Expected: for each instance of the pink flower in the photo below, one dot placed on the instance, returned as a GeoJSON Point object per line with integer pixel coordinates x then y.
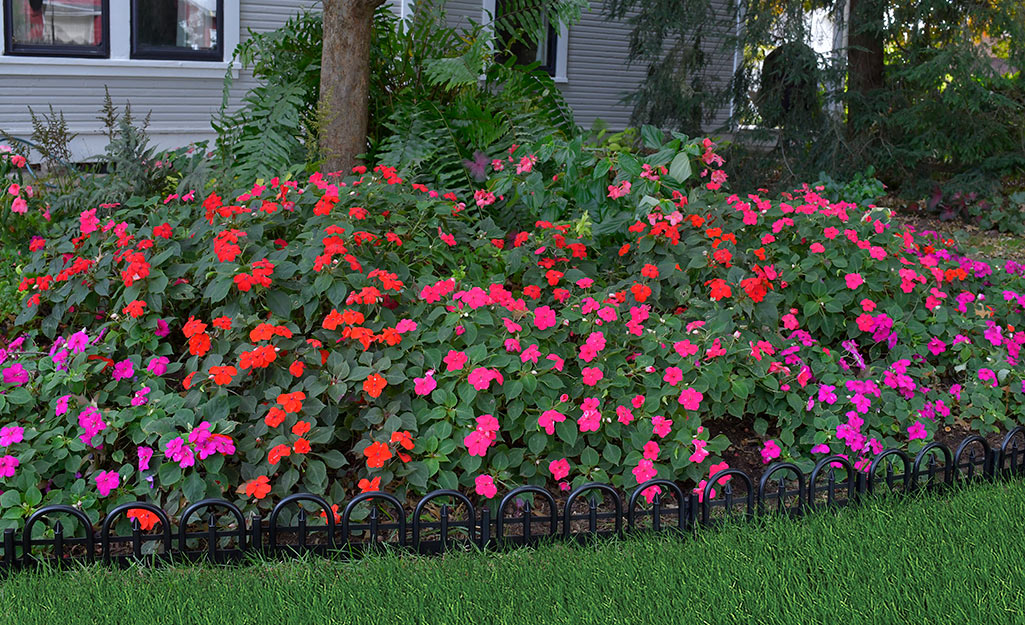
{"type": "Point", "coordinates": [19, 205]}
{"type": "Point", "coordinates": [644, 471]}
{"type": "Point", "coordinates": [62, 405]}
{"type": "Point", "coordinates": [936, 346]}
{"type": "Point", "coordinates": [592, 375]}
{"type": "Point", "coordinates": [158, 365]}
{"type": "Point", "coordinates": [426, 384]}
{"type": "Point", "coordinates": [987, 375]}
{"type": "Point", "coordinates": [7, 466]}
{"type": "Point", "coordinates": [140, 398]}
{"type": "Point", "coordinates": [10, 435]}
{"type": "Point", "coordinates": [145, 454]}
{"type": "Point", "coordinates": [637, 401]}
{"type": "Point", "coordinates": [699, 454]}
{"type": "Point", "coordinates": [699, 490]}
{"type": "Point", "coordinates": [673, 376]}
{"type": "Point", "coordinates": [854, 280]}
{"type": "Point", "coordinates": [660, 426]}
{"type": "Point", "coordinates": [480, 378]}
{"type": "Point", "coordinates": [544, 318]}
{"type": "Point", "coordinates": [559, 362]}
{"type": "Point", "coordinates": [548, 419]}
{"type": "Point", "coordinates": [559, 468]}
{"type": "Point", "coordinates": [651, 450]}
{"type": "Point", "coordinates": [685, 348]}
{"type": "Point", "coordinates": [532, 354]}
{"type": "Point", "coordinates": [917, 431]}
{"type": "Point", "coordinates": [690, 399]}
{"type": "Point", "coordinates": [821, 448]}
{"type": "Point", "coordinates": [107, 481]}
{"type": "Point", "coordinates": [770, 451]}
{"type": "Point", "coordinates": [715, 468]}
{"type": "Point", "coordinates": [15, 374]}
{"type": "Point", "coordinates": [124, 370]}
{"type": "Point", "coordinates": [624, 415]}
{"type": "Point", "coordinates": [485, 486]}
{"type": "Point", "coordinates": [88, 222]}
{"type": "Point", "coordinates": [162, 329]}
{"type": "Point", "coordinates": [405, 325]}
{"type": "Point", "coordinates": [455, 360]}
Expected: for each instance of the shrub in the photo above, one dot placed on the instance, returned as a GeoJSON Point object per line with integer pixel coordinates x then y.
{"type": "Point", "coordinates": [362, 334]}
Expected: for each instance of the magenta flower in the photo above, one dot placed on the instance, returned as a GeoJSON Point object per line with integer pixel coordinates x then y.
{"type": "Point", "coordinates": [426, 384]}
{"type": "Point", "coordinates": [544, 318]}
{"type": "Point", "coordinates": [559, 468]}
{"type": "Point", "coordinates": [405, 325]}
{"type": "Point", "coordinates": [592, 375]}
{"type": "Point", "coordinates": [124, 370]}
{"type": "Point", "coordinates": [644, 471]}
{"type": "Point", "coordinates": [10, 435]}
{"type": "Point", "coordinates": [145, 454]}
{"type": "Point", "coordinates": [660, 426]}
{"type": "Point", "coordinates": [62, 405]}
{"type": "Point", "coordinates": [158, 365]}
{"type": "Point", "coordinates": [454, 360]}
{"type": "Point", "coordinates": [15, 374]}
{"type": "Point", "coordinates": [690, 399]}
{"type": "Point", "coordinates": [7, 466]}
{"type": "Point", "coordinates": [140, 399]}
{"type": "Point", "coordinates": [770, 451]}
{"type": "Point", "coordinates": [821, 448]}
{"type": "Point", "coordinates": [107, 481]}
{"type": "Point", "coordinates": [78, 341]}
{"type": "Point", "coordinates": [917, 431]}
{"type": "Point", "coordinates": [548, 419]}
{"type": "Point", "coordinates": [673, 376]}
{"type": "Point", "coordinates": [699, 454]}
{"type": "Point", "coordinates": [987, 375]}
{"type": "Point", "coordinates": [162, 329]}
{"type": "Point", "coordinates": [485, 486]}
{"type": "Point", "coordinates": [90, 420]}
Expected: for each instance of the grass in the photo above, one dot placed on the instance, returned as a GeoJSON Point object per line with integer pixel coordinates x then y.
{"type": "Point", "coordinates": [955, 557]}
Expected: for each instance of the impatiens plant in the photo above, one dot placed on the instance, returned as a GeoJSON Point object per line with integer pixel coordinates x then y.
{"type": "Point", "coordinates": [344, 335]}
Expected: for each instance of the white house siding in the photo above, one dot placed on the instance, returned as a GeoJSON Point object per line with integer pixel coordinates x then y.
{"type": "Point", "coordinates": [598, 75]}
{"type": "Point", "coordinates": [182, 95]}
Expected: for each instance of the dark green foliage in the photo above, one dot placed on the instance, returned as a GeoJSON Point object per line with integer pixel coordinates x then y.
{"type": "Point", "coordinates": [437, 95]}
{"type": "Point", "coordinates": [950, 104]}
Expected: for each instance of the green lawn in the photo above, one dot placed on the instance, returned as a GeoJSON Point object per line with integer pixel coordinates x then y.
{"type": "Point", "coordinates": [956, 558]}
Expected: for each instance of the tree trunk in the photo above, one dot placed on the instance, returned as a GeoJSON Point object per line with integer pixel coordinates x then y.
{"type": "Point", "coordinates": [345, 80]}
{"type": "Point", "coordinates": [864, 57]}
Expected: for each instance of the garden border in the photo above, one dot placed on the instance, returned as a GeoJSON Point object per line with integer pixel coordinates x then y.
{"type": "Point", "coordinates": [973, 460]}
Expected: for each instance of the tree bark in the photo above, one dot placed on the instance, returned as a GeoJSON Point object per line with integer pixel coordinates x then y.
{"type": "Point", "coordinates": [864, 57]}
{"type": "Point", "coordinates": [345, 80]}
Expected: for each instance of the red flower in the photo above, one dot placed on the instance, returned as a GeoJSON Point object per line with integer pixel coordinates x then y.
{"type": "Point", "coordinates": [374, 384]}
{"type": "Point", "coordinates": [222, 375]}
{"type": "Point", "coordinates": [301, 446]}
{"type": "Point", "coordinates": [274, 417]}
{"type": "Point", "coordinates": [163, 231]}
{"type": "Point", "coordinates": [377, 454]}
{"type": "Point", "coordinates": [292, 402]}
{"type": "Point", "coordinates": [187, 382]}
{"type": "Point", "coordinates": [258, 488]}
{"type": "Point", "coordinates": [649, 271]}
{"type": "Point", "coordinates": [134, 309]}
{"type": "Point", "coordinates": [640, 292]}
{"type": "Point", "coordinates": [199, 344]}
{"type": "Point", "coordinates": [369, 486]}
{"type": "Point", "coordinates": [334, 511]}
{"type": "Point", "coordinates": [193, 327]}
{"type": "Point", "coordinates": [720, 289]}
{"type": "Point", "coordinates": [278, 452]}
{"type": "Point", "coordinates": [224, 323]}
{"type": "Point", "coordinates": [404, 439]}
{"type": "Point", "coordinates": [147, 520]}
{"type": "Point", "coordinates": [301, 428]}
{"type": "Point", "coordinates": [296, 368]}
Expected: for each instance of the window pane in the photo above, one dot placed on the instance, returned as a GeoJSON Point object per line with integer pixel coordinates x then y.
{"type": "Point", "coordinates": [188, 24]}
{"type": "Point", "coordinates": [57, 22]}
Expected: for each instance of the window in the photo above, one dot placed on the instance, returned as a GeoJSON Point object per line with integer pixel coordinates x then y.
{"type": "Point", "coordinates": [550, 51]}
{"type": "Point", "coordinates": [178, 29]}
{"type": "Point", "coordinates": [547, 49]}
{"type": "Point", "coordinates": [57, 27]}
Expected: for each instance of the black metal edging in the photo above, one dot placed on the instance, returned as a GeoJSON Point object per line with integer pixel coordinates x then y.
{"type": "Point", "coordinates": [228, 538]}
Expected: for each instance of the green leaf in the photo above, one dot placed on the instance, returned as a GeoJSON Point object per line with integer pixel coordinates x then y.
{"type": "Point", "coordinates": [680, 168]}
{"type": "Point", "coordinates": [279, 303]}
{"type": "Point", "coordinates": [169, 474]}
{"type": "Point", "coordinates": [194, 487]}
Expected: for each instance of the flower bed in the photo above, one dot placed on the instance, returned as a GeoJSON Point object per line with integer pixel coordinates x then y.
{"type": "Point", "coordinates": [361, 333]}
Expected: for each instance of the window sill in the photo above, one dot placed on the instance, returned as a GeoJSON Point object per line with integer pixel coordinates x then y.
{"type": "Point", "coordinates": [130, 68]}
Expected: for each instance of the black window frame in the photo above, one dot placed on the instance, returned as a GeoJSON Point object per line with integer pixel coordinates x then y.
{"type": "Point", "coordinates": [551, 51]}
{"type": "Point", "coordinates": [176, 53]}
{"type": "Point", "coordinates": [101, 51]}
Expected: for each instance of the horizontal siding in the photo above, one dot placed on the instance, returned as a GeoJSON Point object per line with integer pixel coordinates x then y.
{"type": "Point", "coordinates": [181, 107]}
{"type": "Point", "coordinates": [459, 12]}
{"type": "Point", "coordinates": [599, 75]}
